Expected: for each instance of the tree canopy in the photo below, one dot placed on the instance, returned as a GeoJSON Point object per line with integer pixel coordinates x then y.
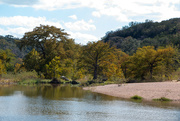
{"type": "Point", "coordinates": [147, 63]}
{"type": "Point", "coordinates": [48, 42]}
{"type": "Point", "coordinates": [148, 33]}
{"type": "Point", "coordinates": [101, 59]}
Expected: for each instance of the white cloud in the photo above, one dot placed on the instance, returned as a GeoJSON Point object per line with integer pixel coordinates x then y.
{"type": "Point", "coordinates": [73, 17]}
{"type": "Point", "coordinates": [80, 25]}
{"type": "Point", "coordinates": [26, 21]}
{"type": "Point", "coordinates": [127, 10]}
{"type": "Point", "coordinates": [18, 25]}
{"type": "Point", "coordinates": [90, 21]}
{"type": "Point", "coordinates": [121, 10]}
{"type": "Point", "coordinates": [82, 38]}
{"type": "Point", "coordinates": [96, 14]}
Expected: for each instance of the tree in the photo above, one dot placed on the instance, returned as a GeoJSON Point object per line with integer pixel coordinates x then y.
{"type": "Point", "coordinates": [147, 62]}
{"type": "Point", "coordinates": [121, 59]}
{"type": "Point", "coordinates": [54, 68]}
{"type": "Point", "coordinates": [7, 58]}
{"type": "Point", "coordinates": [93, 56]}
{"type": "Point", "coordinates": [32, 61]}
{"type": "Point", "coordinates": [111, 66]}
{"type": "Point", "coordinates": [49, 42]}
{"type": "Point", "coordinates": [2, 68]}
{"type": "Point", "coordinates": [170, 60]}
{"type": "Point", "coordinates": [42, 37]}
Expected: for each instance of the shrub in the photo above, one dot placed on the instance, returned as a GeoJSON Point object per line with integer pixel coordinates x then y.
{"type": "Point", "coordinates": [162, 99]}
{"type": "Point", "coordinates": [136, 97]}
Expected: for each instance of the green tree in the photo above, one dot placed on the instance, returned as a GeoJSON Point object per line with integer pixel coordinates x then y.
{"type": "Point", "coordinates": [147, 62]}
{"type": "Point", "coordinates": [170, 60]}
{"type": "Point", "coordinates": [8, 59]}
{"type": "Point", "coordinates": [50, 42]}
{"type": "Point", "coordinates": [32, 61]}
{"type": "Point", "coordinates": [54, 68]}
{"type": "Point", "coordinates": [2, 68]}
{"type": "Point", "coordinates": [111, 66]}
{"type": "Point", "coordinates": [93, 56]}
{"type": "Point", "coordinates": [43, 38]}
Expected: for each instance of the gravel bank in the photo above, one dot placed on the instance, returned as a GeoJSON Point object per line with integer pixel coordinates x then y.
{"type": "Point", "coordinates": [148, 91]}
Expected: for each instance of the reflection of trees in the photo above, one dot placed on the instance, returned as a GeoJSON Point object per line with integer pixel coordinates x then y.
{"type": "Point", "coordinates": [61, 92]}
{"type": "Point", "coordinates": [52, 92]}
{"type": "Point", "coordinates": [6, 90]}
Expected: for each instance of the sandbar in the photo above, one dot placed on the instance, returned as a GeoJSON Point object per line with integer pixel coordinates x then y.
{"type": "Point", "coordinates": [149, 91]}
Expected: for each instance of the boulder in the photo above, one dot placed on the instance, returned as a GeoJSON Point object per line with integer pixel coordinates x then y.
{"type": "Point", "coordinates": [91, 82]}
{"type": "Point", "coordinates": [74, 82]}
{"type": "Point", "coordinates": [55, 81]}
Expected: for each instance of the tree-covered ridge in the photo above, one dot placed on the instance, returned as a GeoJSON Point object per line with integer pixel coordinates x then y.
{"type": "Point", "coordinates": [149, 33]}
{"type": "Point", "coordinates": [10, 42]}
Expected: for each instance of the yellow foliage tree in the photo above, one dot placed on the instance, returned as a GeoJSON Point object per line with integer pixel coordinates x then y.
{"type": "Point", "coordinates": [147, 62]}
{"type": "Point", "coordinates": [17, 67]}
{"type": "Point", "coordinates": [32, 61]}
{"type": "Point", "coordinates": [112, 65]}
{"type": "Point", "coordinates": [94, 54]}
{"type": "Point", "coordinates": [2, 68]}
{"type": "Point", "coordinates": [54, 68]}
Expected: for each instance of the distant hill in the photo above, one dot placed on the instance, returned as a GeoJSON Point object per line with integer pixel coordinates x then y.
{"type": "Point", "coordinates": [10, 42]}
{"type": "Point", "coordinates": [156, 34]}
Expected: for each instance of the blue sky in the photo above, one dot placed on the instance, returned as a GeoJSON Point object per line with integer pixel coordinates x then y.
{"type": "Point", "coordinates": [84, 20]}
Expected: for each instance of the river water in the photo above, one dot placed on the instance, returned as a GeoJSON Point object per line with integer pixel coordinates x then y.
{"type": "Point", "coordinates": [66, 103]}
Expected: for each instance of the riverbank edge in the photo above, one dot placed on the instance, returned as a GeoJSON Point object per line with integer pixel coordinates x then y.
{"type": "Point", "coordinates": [126, 91]}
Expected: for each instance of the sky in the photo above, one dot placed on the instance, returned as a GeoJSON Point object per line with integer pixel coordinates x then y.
{"type": "Point", "coordinates": [83, 20]}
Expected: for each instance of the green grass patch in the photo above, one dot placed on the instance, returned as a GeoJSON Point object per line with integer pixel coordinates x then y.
{"type": "Point", "coordinates": [136, 97]}
{"type": "Point", "coordinates": [162, 99]}
{"type": "Point", "coordinates": [34, 81]}
{"type": "Point", "coordinates": [25, 77]}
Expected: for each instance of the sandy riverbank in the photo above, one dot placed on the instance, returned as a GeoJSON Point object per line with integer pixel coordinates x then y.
{"type": "Point", "coordinates": [148, 91]}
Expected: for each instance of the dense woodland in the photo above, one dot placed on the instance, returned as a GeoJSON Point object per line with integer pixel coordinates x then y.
{"type": "Point", "coordinates": [147, 51]}
{"type": "Point", "coordinates": [149, 33]}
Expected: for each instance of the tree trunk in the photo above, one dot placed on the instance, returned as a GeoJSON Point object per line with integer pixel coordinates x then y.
{"type": "Point", "coordinates": [151, 71]}
{"type": "Point", "coordinates": [95, 72]}
{"type": "Point", "coordinates": [95, 67]}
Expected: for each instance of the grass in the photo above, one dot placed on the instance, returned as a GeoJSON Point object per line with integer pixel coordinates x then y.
{"type": "Point", "coordinates": [34, 81]}
{"type": "Point", "coordinates": [162, 99]}
{"type": "Point", "coordinates": [23, 78]}
{"type": "Point", "coordinates": [136, 97]}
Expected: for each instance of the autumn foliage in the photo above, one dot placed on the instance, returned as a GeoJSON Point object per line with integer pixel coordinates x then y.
{"type": "Point", "coordinates": [53, 54]}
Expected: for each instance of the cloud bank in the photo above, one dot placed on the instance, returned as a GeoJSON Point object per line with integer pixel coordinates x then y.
{"type": "Point", "coordinates": [123, 11]}
{"type": "Point", "coordinates": [18, 25]}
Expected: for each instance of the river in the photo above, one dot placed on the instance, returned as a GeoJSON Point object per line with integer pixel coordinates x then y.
{"type": "Point", "coordinates": [66, 103]}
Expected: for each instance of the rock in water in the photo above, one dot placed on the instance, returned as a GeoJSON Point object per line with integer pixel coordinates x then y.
{"type": "Point", "coordinates": [55, 81]}
{"type": "Point", "coordinates": [74, 82]}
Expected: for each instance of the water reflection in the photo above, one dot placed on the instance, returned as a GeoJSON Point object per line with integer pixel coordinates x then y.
{"type": "Point", "coordinates": [49, 102]}
{"type": "Point", "coordinates": [52, 92]}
